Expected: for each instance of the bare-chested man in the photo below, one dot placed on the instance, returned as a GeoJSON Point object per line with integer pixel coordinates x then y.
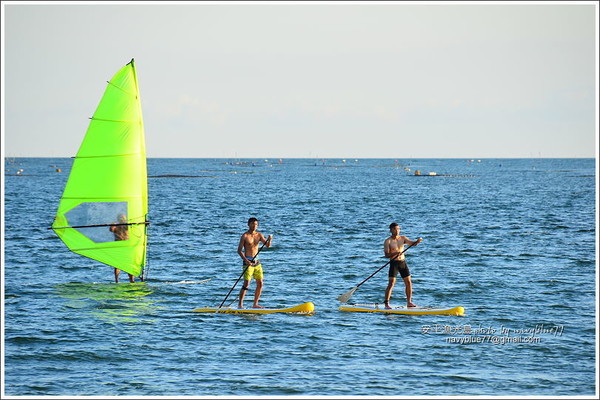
{"type": "Point", "coordinates": [393, 247]}
{"type": "Point", "coordinates": [121, 232]}
{"type": "Point", "coordinates": [247, 249]}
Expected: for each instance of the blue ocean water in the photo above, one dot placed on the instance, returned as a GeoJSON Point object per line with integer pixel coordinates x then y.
{"type": "Point", "coordinates": [511, 240]}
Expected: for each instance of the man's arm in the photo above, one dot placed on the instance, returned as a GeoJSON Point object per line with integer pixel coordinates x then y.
{"type": "Point", "coordinates": [266, 241]}
{"type": "Point", "coordinates": [387, 250]}
{"type": "Point", "coordinates": [412, 242]}
{"type": "Point", "coordinates": [240, 247]}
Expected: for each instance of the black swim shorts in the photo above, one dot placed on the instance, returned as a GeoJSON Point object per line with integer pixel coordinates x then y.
{"type": "Point", "coordinates": [398, 266]}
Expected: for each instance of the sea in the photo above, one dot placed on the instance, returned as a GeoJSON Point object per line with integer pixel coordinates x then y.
{"type": "Point", "coordinates": [513, 241]}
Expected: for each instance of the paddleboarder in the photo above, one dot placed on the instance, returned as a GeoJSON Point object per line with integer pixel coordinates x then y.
{"type": "Point", "coordinates": [247, 249]}
{"type": "Point", "coordinates": [392, 248]}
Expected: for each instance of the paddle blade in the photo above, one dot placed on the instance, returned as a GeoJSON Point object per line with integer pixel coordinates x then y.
{"type": "Point", "coordinates": [346, 296]}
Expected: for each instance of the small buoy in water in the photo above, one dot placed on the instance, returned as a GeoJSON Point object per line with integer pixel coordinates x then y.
{"type": "Point", "coordinates": [417, 172]}
{"type": "Point", "coordinates": [58, 170]}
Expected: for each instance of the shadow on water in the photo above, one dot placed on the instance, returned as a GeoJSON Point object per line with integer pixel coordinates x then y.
{"type": "Point", "coordinates": [114, 302]}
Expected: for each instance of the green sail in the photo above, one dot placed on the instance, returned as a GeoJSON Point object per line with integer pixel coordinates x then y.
{"type": "Point", "coordinates": [108, 183]}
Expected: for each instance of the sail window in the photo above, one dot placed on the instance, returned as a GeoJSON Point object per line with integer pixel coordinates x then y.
{"type": "Point", "coordinates": [97, 221]}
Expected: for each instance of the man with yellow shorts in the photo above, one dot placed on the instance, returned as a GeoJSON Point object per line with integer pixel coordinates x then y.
{"type": "Point", "coordinates": [248, 250]}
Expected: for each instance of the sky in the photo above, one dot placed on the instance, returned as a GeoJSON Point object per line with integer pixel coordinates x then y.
{"type": "Point", "coordinates": [309, 79]}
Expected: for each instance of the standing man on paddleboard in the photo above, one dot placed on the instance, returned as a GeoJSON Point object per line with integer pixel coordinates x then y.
{"type": "Point", "coordinates": [393, 248]}
{"type": "Point", "coordinates": [248, 250]}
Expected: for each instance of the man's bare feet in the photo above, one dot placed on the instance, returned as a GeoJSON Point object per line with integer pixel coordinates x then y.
{"type": "Point", "coordinates": [411, 305]}
{"type": "Point", "coordinates": [257, 306]}
{"type": "Point", "coordinates": [387, 305]}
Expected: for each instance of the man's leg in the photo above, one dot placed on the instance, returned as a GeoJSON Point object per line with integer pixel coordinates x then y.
{"type": "Point", "coordinates": [257, 293]}
{"type": "Point", "coordinates": [388, 292]}
{"type": "Point", "coordinates": [245, 286]}
{"type": "Point", "coordinates": [408, 284]}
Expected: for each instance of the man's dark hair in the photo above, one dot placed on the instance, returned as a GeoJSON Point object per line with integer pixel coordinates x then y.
{"type": "Point", "coordinates": [252, 219]}
{"type": "Point", "coordinates": [393, 224]}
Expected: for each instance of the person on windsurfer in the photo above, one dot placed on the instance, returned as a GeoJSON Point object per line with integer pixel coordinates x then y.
{"type": "Point", "coordinates": [121, 232]}
{"type": "Point", "coordinates": [248, 249]}
{"type": "Point", "coordinates": [393, 248]}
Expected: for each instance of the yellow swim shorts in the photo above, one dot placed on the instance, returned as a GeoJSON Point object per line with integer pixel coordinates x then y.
{"type": "Point", "coordinates": [255, 272]}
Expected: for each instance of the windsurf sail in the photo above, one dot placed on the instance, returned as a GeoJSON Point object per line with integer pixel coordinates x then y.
{"type": "Point", "coordinates": [103, 212]}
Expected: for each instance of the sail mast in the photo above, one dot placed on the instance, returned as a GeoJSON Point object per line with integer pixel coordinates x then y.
{"type": "Point", "coordinates": [144, 177]}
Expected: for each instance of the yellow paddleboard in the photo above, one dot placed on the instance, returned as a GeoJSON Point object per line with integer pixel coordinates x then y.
{"type": "Point", "coordinates": [376, 308]}
{"type": "Point", "coordinates": [305, 308]}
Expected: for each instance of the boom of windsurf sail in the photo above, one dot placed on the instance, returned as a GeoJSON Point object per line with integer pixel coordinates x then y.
{"type": "Point", "coordinates": [103, 212]}
{"type": "Point", "coordinates": [98, 225]}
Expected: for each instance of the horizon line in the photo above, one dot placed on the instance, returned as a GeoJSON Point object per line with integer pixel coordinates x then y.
{"type": "Point", "coordinates": [339, 158]}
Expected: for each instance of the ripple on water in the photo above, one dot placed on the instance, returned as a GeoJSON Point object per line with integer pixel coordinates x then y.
{"type": "Point", "coordinates": [490, 246]}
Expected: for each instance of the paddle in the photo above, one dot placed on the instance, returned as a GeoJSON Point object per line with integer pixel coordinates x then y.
{"type": "Point", "coordinates": [346, 296]}
{"type": "Point", "coordinates": [243, 272]}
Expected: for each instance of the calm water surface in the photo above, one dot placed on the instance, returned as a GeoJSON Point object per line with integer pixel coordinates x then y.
{"type": "Point", "coordinates": [512, 241]}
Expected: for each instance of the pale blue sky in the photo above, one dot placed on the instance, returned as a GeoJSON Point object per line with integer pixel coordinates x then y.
{"type": "Point", "coordinates": [320, 80]}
